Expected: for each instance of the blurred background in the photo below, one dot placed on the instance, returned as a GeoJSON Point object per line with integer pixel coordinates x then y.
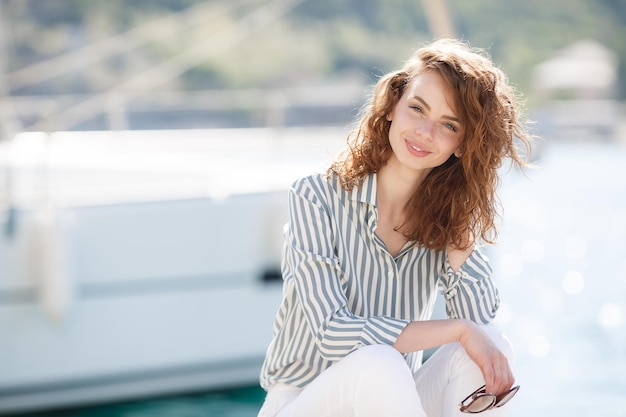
{"type": "Point", "coordinates": [145, 152]}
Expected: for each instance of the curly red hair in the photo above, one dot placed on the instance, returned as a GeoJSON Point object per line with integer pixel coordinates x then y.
{"type": "Point", "coordinates": [456, 203]}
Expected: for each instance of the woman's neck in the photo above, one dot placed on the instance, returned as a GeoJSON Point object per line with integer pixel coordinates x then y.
{"type": "Point", "coordinates": [396, 185]}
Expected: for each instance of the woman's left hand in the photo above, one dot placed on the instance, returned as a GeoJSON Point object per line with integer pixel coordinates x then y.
{"type": "Point", "coordinates": [492, 362]}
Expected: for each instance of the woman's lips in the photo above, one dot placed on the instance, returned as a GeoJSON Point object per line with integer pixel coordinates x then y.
{"type": "Point", "coordinates": [417, 149]}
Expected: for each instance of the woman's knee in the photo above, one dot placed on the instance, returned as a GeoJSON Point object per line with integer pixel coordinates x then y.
{"type": "Point", "coordinates": [380, 357]}
{"type": "Point", "coordinates": [380, 360]}
{"type": "Point", "coordinates": [383, 383]}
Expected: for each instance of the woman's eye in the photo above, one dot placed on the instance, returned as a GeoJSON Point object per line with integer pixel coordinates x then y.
{"type": "Point", "coordinates": [417, 109]}
{"type": "Point", "coordinates": [451, 127]}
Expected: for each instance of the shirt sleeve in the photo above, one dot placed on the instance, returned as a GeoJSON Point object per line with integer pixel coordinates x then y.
{"type": "Point", "coordinates": [310, 260]}
{"type": "Point", "coordinates": [470, 293]}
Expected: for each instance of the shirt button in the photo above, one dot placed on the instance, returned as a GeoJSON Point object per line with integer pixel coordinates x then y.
{"type": "Point", "coordinates": [390, 274]}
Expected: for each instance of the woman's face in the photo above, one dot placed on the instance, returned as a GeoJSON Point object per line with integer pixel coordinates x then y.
{"type": "Point", "coordinates": [425, 129]}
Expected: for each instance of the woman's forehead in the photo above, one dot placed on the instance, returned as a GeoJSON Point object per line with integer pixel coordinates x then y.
{"type": "Point", "coordinates": [432, 87]}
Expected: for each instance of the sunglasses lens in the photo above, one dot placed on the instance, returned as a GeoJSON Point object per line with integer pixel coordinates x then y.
{"type": "Point", "coordinates": [504, 398]}
{"type": "Point", "coordinates": [481, 403]}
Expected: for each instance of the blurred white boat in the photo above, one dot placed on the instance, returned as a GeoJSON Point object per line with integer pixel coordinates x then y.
{"type": "Point", "coordinates": [143, 263]}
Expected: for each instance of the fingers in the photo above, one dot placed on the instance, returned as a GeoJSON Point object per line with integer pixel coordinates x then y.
{"type": "Point", "coordinates": [498, 375]}
{"type": "Point", "coordinates": [493, 364]}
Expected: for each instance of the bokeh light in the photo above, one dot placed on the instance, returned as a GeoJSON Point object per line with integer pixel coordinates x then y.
{"type": "Point", "coordinates": [573, 282]}
{"type": "Point", "coordinates": [610, 315]}
{"type": "Point", "coordinates": [532, 251]}
{"type": "Point", "coordinates": [512, 264]}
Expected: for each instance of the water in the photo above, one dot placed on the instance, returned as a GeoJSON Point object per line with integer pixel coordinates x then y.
{"type": "Point", "coordinates": [561, 268]}
{"type": "Point", "coordinates": [240, 402]}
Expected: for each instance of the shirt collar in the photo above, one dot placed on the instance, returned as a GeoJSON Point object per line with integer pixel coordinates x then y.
{"type": "Point", "coordinates": [366, 192]}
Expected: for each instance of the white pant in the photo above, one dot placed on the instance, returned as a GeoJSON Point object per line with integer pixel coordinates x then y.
{"type": "Point", "coordinates": [376, 381]}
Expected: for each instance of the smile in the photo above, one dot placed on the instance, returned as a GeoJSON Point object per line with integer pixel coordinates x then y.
{"type": "Point", "coordinates": [416, 149]}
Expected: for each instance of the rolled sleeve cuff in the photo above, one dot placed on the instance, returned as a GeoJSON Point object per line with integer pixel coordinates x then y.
{"type": "Point", "coordinates": [382, 330]}
{"type": "Point", "coordinates": [469, 292]}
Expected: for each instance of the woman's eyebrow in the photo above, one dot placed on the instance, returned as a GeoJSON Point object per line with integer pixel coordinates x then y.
{"type": "Point", "coordinates": [421, 100]}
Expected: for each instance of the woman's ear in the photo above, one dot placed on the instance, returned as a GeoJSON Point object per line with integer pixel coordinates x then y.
{"type": "Point", "coordinates": [389, 115]}
{"type": "Point", "coordinates": [458, 153]}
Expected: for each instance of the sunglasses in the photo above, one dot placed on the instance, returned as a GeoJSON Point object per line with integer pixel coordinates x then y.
{"type": "Point", "coordinates": [480, 400]}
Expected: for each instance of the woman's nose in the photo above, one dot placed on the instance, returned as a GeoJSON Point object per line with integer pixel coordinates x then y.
{"type": "Point", "coordinates": [426, 129]}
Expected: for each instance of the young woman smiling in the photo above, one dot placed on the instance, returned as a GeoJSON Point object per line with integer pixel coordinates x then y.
{"type": "Point", "coordinates": [399, 216]}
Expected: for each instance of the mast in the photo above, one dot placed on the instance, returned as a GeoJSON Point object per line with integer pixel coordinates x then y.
{"type": "Point", "coordinates": [438, 16]}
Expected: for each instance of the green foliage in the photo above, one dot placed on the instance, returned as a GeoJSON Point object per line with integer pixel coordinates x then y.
{"type": "Point", "coordinates": [319, 39]}
{"type": "Point", "coordinates": [520, 34]}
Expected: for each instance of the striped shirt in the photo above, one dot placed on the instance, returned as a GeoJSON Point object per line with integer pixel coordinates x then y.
{"type": "Point", "coordinates": [343, 290]}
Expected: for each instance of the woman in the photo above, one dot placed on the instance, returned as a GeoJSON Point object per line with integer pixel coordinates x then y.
{"type": "Point", "coordinates": [368, 244]}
